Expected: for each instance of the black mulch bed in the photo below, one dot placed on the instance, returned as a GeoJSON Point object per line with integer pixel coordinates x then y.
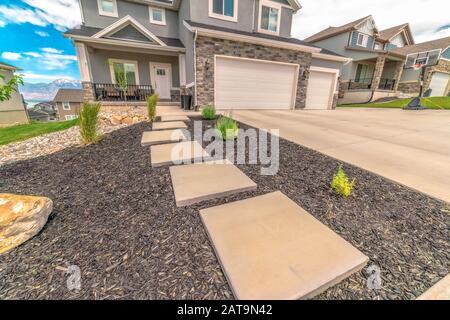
{"type": "Point", "coordinates": [115, 218]}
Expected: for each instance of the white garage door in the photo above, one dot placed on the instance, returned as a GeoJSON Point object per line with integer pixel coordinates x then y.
{"type": "Point", "coordinates": [439, 83]}
{"type": "Point", "coordinates": [320, 89]}
{"type": "Point", "coordinates": [254, 84]}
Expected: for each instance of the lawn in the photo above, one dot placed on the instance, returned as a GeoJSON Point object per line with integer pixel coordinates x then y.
{"type": "Point", "coordinates": [436, 103]}
{"type": "Point", "coordinates": [27, 131]}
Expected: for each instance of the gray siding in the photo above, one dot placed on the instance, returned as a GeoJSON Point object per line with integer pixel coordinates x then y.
{"type": "Point", "coordinates": [140, 12]}
{"type": "Point", "coordinates": [101, 72]}
{"type": "Point", "coordinates": [187, 38]}
{"type": "Point", "coordinates": [326, 64]}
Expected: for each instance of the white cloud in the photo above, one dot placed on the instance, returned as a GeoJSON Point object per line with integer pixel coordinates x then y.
{"type": "Point", "coordinates": [2, 23]}
{"type": "Point", "coordinates": [11, 56]}
{"type": "Point", "coordinates": [35, 77]}
{"type": "Point", "coordinates": [62, 14]}
{"type": "Point", "coordinates": [42, 34]}
{"type": "Point", "coordinates": [424, 16]}
{"type": "Point", "coordinates": [33, 54]}
{"type": "Point", "coordinates": [51, 50]}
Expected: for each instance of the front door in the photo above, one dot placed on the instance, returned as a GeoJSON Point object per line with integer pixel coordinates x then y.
{"type": "Point", "coordinates": [161, 74]}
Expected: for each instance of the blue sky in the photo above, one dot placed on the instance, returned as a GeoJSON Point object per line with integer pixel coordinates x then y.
{"type": "Point", "coordinates": [31, 30]}
{"type": "Point", "coordinates": [31, 38]}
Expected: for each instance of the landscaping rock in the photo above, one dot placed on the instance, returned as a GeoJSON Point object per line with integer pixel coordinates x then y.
{"type": "Point", "coordinates": [116, 120]}
{"type": "Point", "coordinates": [21, 218]}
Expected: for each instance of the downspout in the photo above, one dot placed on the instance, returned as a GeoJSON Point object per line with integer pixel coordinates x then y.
{"type": "Point", "coordinates": [253, 17]}
{"type": "Point", "coordinates": [195, 67]}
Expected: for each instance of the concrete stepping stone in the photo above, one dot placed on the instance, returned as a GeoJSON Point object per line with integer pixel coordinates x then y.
{"type": "Point", "coordinates": [169, 125]}
{"type": "Point", "coordinates": [440, 291]}
{"type": "Point", "coordinates": [270, 249]}
{"type": "Point", "coordinates": [199, 182]}
{"type": "Point", "coordinates": [177, 153]}
{"type": "Point", "coordinates": [150, 138]}
{"type": "Point", "coordinates": [174, 118]}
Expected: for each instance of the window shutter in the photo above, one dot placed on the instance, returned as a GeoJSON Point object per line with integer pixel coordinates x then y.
{"type": "Point", "coordinates": [370, 42]}
{"type": "Point", "coordinates": [354, 40]}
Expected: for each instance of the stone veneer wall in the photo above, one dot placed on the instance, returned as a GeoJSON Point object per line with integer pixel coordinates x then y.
{"type": "Point", "coordinates": [409, 87]}
{"type": "Point", "coordinates": [88, 91]}
{"type": "Point", "coordinates": [208, 47]}
{"type": "Point", "coordinates": [175, 95]}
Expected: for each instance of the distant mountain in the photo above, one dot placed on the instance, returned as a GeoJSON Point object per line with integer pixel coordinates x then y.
{"type": "Point", "coordinates": [46, 91]}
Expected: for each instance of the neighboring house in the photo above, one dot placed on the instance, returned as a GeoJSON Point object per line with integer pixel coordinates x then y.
{"type": "Point", "coordinates": [378, 58]}
{"type": "Point", "coordinates": [48, 108]}
{"type": "Point", "coordinates": [235, 54]}
{"type": "Point", "coordinates": [13, 110]}
{"type": "Point", "coordinates": [68, 102]}
{"type": "Point", "coordinates": [38, 115]}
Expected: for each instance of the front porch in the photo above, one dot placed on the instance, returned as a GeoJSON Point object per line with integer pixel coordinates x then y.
{"type": "Point", "coordinates": [372, 77]}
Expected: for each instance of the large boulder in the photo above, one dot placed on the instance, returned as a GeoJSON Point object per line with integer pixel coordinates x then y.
{"type": "Point", "coordinates": [21, 218]}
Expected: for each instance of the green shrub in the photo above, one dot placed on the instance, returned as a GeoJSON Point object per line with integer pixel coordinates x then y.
{"type": "Point", "coordinates": [152, 102]}
{"type": "Point", "coordinates": [227, 128]}
{"type": "Point", "coordinates": [88, 120]}
{"type": "Point", "coordinates": [209, 113]}
{"type": "Point", "coordinates": [341, 183]}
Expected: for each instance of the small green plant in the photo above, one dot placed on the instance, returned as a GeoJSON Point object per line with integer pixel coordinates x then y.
{"type": "Point", "coordinates": [88, 121]}
{"type": "Point", "coordinates": [341, 183]}
{"type": "Point", "coordinates": [227, 128]}
{"type": "Point", "coordinates": [152, 102]}
{"type": "Point", "coordinates": [209, 113]}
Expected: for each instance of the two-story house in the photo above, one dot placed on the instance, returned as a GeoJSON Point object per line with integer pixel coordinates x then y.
{"type": "Point", "coordinates": [378, 59]}
{"type": "Point", "coordinates": [235, 54]}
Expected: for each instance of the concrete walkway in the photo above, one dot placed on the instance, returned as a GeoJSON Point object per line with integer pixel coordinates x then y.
{"type": "Point", "coordinates": [410, 147]}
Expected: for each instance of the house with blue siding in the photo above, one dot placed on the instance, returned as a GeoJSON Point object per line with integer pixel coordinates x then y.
{"type": "Point", "coordinates": [378, 60]}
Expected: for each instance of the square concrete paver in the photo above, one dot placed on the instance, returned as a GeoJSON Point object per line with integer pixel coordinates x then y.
{"type": "Point", "coordinates": [177, 153]}
{"type": "Point", "coordinates": [158, 137]}
{"type": "Point", "coordinates": [270, 248]}
{"type": "Point", "coordinates": [169, 125]}
{"type": "Point", "coordinates": [174, 118]}
{"type": "Point", "coordinates": [199, 182]}
{"type": "Point", "coordinates": [440, 291]}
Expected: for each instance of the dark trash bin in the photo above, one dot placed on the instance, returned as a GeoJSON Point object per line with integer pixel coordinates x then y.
{"type": "Point", "coordinates": [186, 102]}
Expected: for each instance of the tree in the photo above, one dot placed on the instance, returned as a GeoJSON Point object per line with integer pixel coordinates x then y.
{"type": "Point", "coordinates": [122, 83]}
{"type": "Point", "coordinates": [8, 88]}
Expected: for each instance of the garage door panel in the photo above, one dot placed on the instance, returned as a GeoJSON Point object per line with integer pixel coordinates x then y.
{"type": "Point", "coordinates": [439, 83]}
{"type": "Point", "coordinates": [252, 84]}
{"type": "Point", "coordinates": [320, 87]}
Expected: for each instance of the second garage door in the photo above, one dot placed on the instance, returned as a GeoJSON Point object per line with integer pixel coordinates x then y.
{"type": "Point", "coordinates": [439, 84]}
{"type": "Point", "coordinates": [321, 86]}
{"type": "Point", "coordinates": [254, 84]}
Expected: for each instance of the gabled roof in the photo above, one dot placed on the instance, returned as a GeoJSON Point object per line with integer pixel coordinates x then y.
{"type": "Point", "coordinates": [90, 31]}
{"type": "Point", "coordinates": [69, 95]}
{"type": "Point", "coordinates": [388, 34]}
{"type": "Point", "coordinates": [441, 44]}
{"type": "Point", "coordinates": [7, 66]}
{"type": "Point", "coordinates": [333, 31]}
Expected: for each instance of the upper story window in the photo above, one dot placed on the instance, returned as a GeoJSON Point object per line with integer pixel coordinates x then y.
{"type": "Point", "coordinates": [363, 40]}
{"type": "Point", "coordinates": [378, 46]}
{"type": "Point", "coordinates": [107, 8]}
{"type": "Point", "coordinates": [66, 105]}
{"type": "Point", "coordinates": [269, 17]}
{"type": "Point", "coordinates": [223, 9]}
{"type": "Point", "coordinates": [157, 15]}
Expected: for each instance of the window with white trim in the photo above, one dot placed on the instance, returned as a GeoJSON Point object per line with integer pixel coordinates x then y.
{"type": "Point", "coordinates": [121, 69]}
{"type": "Point", "coordinates": [107, 8]}
{"type": "Point", "coordinates": [157, 15]}
{"type": "Point", "coordinates": [363, 40]}
{"type": "Point", "coordinates": [269, 17]}
{"type": "Point", "coordinates": [223, 9]}
{"type": "Point", "coordinates": [71, 117]}
{"type": "Point", "coordinates": [66, 105]}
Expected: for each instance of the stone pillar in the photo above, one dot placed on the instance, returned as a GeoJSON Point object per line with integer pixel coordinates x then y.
{"type": "Point", "coordinates": [428, 75]}
{"type": "Point", "coordinates": [88, 91]}
{"type": "Point", "coordinates": [398, 74]}
{"type": "Point", "coordinates": [379, 66]}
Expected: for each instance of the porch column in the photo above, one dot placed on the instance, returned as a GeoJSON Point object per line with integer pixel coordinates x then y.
{"type": "Point", "coordinates": [398, 73]}
{"type": "Point", "coordinates": [85, 71]}
{"type": "Point", "coordinates": [378, 72]}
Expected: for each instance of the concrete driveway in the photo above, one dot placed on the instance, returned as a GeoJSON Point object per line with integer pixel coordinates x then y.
{"type": "Point", "coordinates": [410, 147]}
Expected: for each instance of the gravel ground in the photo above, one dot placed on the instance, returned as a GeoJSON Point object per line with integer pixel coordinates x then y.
{"type": "Point", "coordinates": [115, 218]}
